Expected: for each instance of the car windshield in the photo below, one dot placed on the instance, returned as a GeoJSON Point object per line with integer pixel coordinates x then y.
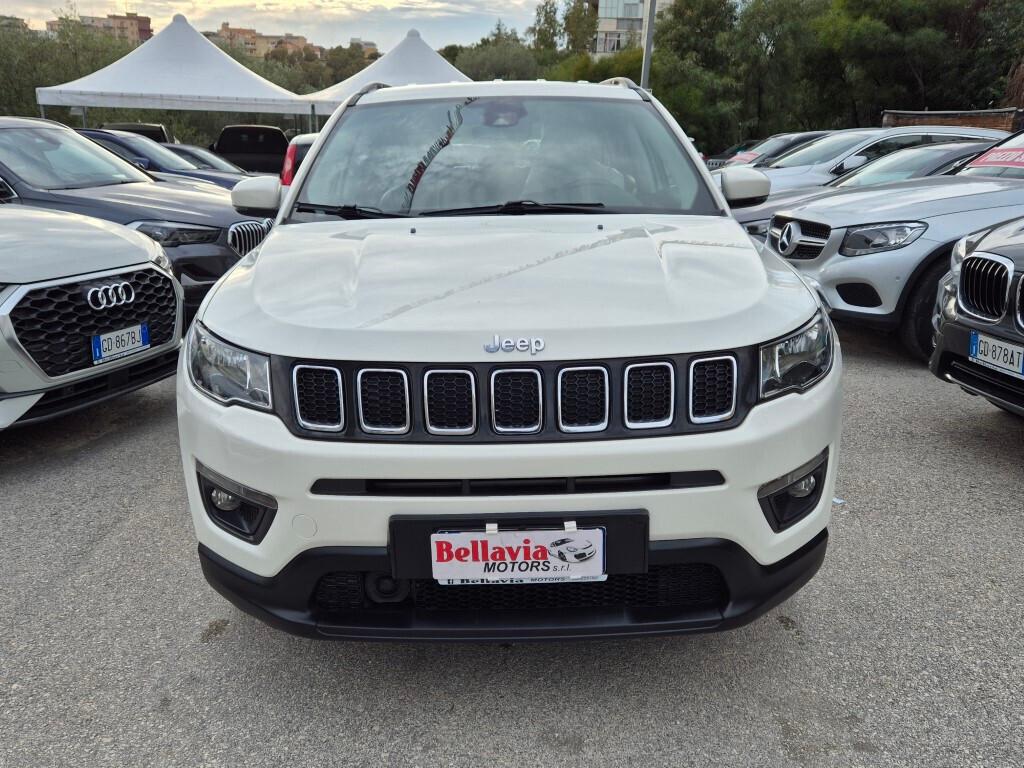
{"type": "Point", "coordinates": [204, 158]}
{"type": "Point", "coordinates": [897, 166]}
{"type": "Point", "coordinates": [821, 151]}
{"type": "Point", "coordinates": [410, 157]}
{"type": "Point", "coordinates": [161, 155]}
{"type": "Point", "coordinates": [772, 145]}
{"type": "Point", "coordinates": [1006, 160]}
{"type": "Point", "coordinates": [56, 158]}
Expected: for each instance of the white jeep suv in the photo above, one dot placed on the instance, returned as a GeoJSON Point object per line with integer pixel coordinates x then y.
{"type": "Point", "coordinates": [493, 319]}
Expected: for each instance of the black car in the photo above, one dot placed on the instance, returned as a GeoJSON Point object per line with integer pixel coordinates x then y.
{"type": "Point", "coordinates": [204, 158]}
{"type": "Point", "coordinates": [47, 165]}
{"type": "Point", "coordinates": [149, 155]}
{"type": "Point", "coordinates": [979, 340]}
{"type": "Point", "coordinates": [257, 148]}
{"type": "Point", "coordinates": [155, 131]}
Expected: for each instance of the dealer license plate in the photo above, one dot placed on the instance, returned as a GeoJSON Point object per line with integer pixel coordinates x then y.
{"type": "Point", "coordinates": [127, 341]}
{"type": "Point", "coordinates": [997, 354]}
{"type": "Point", "coordinates": [518, 557]}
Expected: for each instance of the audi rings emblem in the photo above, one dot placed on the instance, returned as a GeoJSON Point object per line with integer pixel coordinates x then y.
{"type": "Point", "coordinates": [113, 295]}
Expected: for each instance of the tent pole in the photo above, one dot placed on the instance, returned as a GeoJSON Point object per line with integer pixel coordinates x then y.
{"type": "Point", "coordinates": [42, 111]}
{"type": "Point", "coordinates": [312, 118]}
{"type": "Point", "coordinates": [85, 112]}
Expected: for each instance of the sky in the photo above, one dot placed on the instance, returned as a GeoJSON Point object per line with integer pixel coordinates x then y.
{"type": "Point", "coordinates": [323, 22]}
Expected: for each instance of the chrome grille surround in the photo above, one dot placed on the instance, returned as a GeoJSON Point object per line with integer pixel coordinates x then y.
{"type": "Point", "coordinates": [426, 402]}
{"type": "Point", "coordinates": [382, 430]}
{"type": "Point", "coordinates": [540, 402]}
{"type": "Point", "coordinates": [243, 236]}
{"type": "Point", "coordinates": [807, 244]}
{"type": "Point", "coordinates": [672, 396]}
{"type": "Point", "coordinates": [983, 290]}
{"type": "Point", "coordinates": [597, 427]}
{"type": "Point", "coordinates": [724, 416]}
{"type": "Point", "coordinates": [313, 425]}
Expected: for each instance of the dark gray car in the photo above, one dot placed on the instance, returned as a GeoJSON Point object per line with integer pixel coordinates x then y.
{"type": "Point", "coordinates": [47, 165]}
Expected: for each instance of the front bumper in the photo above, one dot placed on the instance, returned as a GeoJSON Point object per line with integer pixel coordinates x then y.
{"type": "Point", "coordinates": [291, 600]}
{"type": "Point", "coordinates": [198, 268]}
{"type": "Point", "coordinates": [951, 363]}
{"type": "Point", "coordinates": [316, 531]}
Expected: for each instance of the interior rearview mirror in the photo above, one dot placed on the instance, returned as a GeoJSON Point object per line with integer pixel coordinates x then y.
{"type": "Point", "coordinates": [257, 196]}
{"type": "Point", "coordinates": [743, 186]}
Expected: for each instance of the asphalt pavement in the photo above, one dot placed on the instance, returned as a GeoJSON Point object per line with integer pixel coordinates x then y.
{"type": "Point", "coordinates": [905, 650]}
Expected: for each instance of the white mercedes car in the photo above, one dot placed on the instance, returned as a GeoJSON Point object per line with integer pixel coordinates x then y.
{"type": "Point", "coordinates": [877, 254]}
{"type": "Point", "coordinates": [489, 313]}
{"type": "Point", "coordinates": [88, 310]}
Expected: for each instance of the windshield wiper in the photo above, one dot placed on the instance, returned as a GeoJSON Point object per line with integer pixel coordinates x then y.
{"type": "Point", "coordinates": [518, 208]}
{"type": "Point", "coordinates": [349, 211]}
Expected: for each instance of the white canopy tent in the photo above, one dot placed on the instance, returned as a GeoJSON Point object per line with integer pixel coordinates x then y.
{"type": "Point", "coordinates": [411, 61]}
{"type": "Point", "coordinates": [177, 69]}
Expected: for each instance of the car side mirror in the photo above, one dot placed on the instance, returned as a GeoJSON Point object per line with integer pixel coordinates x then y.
{"type": "Point", "coordinates": [851, 163]}
{"type": "Point", "coordinates": [743, 186]}
{"type": "Point", "coordinates": [257, 196]}
{"type": "Point", "coordinates": [141, 162]}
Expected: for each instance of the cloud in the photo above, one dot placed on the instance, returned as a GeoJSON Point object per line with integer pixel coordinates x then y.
{"type": "Point", "coordinates": [325, 22]}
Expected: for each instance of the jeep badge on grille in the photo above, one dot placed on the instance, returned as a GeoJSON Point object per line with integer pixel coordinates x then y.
{"type": "Point", "coordinates": [533, 345]}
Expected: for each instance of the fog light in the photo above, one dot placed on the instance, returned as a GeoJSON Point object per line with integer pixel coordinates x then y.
{"type": "Point", "coordinates": [224, 501]}
{"type": "Point", "coordinates": [801, 489]}
{"type": "Point", "coordinates": [235, 508]}
{"type": "Point", "coordinates": [792, 497]}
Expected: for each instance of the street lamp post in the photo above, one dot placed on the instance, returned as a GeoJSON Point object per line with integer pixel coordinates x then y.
{"type": "Point", "coordinates": [645, 72]}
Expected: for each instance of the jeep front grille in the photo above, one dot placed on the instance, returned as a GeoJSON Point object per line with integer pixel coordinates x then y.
{"type": "Point", "coordinates": [985, 286]}
{"type": "Point", "coordinates": [650, 395]}
{"type": "Point", "coordinates": [517, 400]}
{"type": "Point", "coordinates": [449, 402]}
{"type": "Point", "coordinates": [243, 236]}
{"type": "Point", "coordinates": [55, 324]}
{"type": "Point", "coordinates": [584, 400]}
{"type": "Point", "coordinates": [383, 395]}
{"type": "Point", "coordinates": [712, 389]}
{"type": "Point", "coordinates": [318, 398]}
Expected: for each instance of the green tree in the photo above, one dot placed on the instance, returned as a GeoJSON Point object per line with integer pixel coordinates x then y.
{"type": "Point", "coordinates": [546, 32]}
{"type": "Point", "coordinates": [579, 24]}
{"type": "Point", "coordinates": [505, 60]}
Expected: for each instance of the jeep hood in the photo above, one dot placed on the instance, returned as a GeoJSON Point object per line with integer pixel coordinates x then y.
{"type": "Point", "coordinates": [913, 200]}
{"type": "Point", "coordinates": [433, 289]}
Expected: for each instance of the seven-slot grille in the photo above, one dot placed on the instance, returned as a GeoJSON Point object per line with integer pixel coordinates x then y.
{"type": "Point", "coordinates": [583, 399]}
{"type": "Point", "coordinates": [449, 402]}
{"type": "Point", "coordinates": [55, 324]}
{"type": "Point", "coordinates": [614, 398]}
{"type": "Point", "coordinates": [650, 395]}
{"type": "Point", "coordinates": [712, 389]}
{"type": "Point", "coordinates": [318, 398]}
{"type": "Point", "coordinates": [810, 241]}
{"type": "Point", "coordinates": [517, 400]}
{"type": "Point", "coordinates": [243, 236]}
{"type": "Point", "coordinates": [985, 286]}
{"type": "Point", "coordinates": [383, 395]}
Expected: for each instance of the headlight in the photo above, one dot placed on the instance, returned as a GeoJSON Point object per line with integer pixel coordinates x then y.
{"type": "Point", "coordinates": [798, 361]}
{"type": "Point", "coordinates": [225, 372]}
{"type": "Point", "coordinates": [758, 229]}
{"type": "Point", "coordinates": [861, 241]}
{"type": "Point", "coordinates": [161, 260]}
{"type": "Point", "coordinates": [964, 247]}
{"type": "Point", "coordinates": [172, 233]}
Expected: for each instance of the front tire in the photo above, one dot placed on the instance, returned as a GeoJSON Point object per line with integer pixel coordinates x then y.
{"type": "Point", "coordinates": [916, 330]}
